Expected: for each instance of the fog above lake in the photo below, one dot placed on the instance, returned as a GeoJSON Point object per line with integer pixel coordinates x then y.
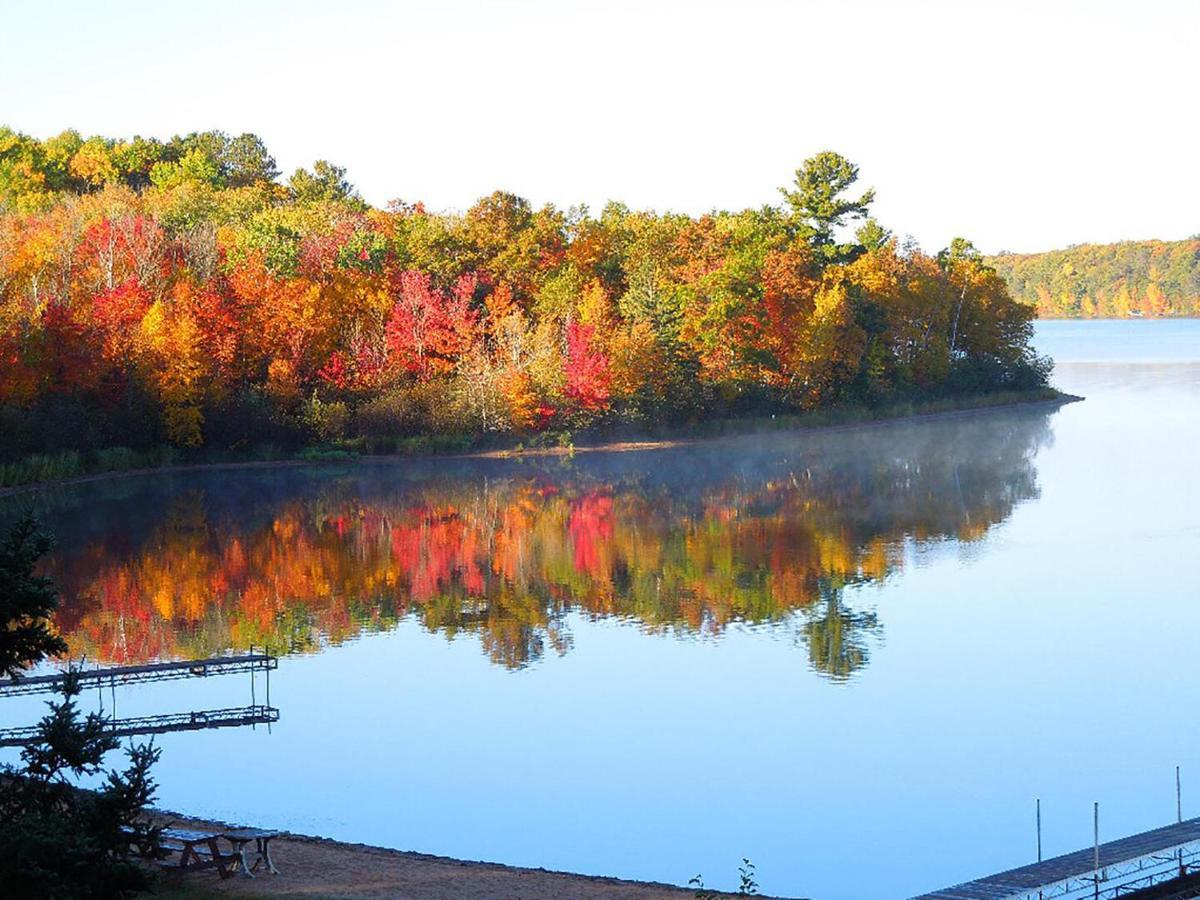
{"type": "Point", "coordinates": [766, 529]}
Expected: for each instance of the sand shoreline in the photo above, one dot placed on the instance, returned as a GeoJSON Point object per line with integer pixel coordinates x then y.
{"type": "Point", "coordinates": [322, 867]}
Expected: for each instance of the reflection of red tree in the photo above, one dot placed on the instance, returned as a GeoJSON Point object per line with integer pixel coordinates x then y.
{"type": "Point", "coordinates": [591, 529]}
{"type": "Point", "coordinates": [435, 549]}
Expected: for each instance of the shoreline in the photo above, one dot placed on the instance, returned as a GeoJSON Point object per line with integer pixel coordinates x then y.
{"type": "Point", "coordinates": [715, 430]}
{"type": "Point", "coordinates": [625, 446]}
{"type": "Point", "coordinates": [312, 865]}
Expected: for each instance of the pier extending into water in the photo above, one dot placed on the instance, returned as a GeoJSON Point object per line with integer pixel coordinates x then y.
{"type": "Point", "coordinates": [1116, 869]}
{"type": "Point", "coordinates": [162, 724]}
{"type": "Point", "coordinates": [164, 671]}
{"type": "Point", "coordinates": [116, 676]}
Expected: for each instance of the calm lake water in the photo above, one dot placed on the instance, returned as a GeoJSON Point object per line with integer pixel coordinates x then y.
{"type": "Point", "coordinates": [855, 657]}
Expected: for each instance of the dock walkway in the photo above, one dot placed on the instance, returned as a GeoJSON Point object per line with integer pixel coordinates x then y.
{"type": "Point", "coordinates": [164, 671]}
{"type": "Point", "coordinates": [1126, 865]}
{"type": "Point", "coordinates": [163, 724]}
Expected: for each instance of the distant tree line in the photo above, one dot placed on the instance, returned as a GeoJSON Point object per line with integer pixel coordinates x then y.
{"type": "Point", "coordinates": [1107, 281]}
{"type": "Point", "coordinates": [179, 292]}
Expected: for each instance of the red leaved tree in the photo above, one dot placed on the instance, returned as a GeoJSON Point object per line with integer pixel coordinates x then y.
{"type": "Point", "coordinates": [429, 330]}
{"type": "Point", "coordinates": [587, 369]}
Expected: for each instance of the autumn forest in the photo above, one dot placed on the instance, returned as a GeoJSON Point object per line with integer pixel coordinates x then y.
{"type": "Point", "coordinates": [183, 293]}
{"type": "Point", "coordinates": [1135, 279]}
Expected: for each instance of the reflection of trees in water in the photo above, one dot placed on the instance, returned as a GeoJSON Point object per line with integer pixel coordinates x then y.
{"type": "Point", "coordinates": [513, 632]}
{"type": "Point", "coordinates": [754, 530]}
{"type": "Point", "coordinates": [837, 636]}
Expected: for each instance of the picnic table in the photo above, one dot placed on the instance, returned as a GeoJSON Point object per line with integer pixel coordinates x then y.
{"type": "Point", "coordinates": [197, 850]}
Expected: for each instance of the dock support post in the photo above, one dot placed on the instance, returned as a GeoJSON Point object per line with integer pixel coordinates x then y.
{"type": "Point", "coordinates": [253, 698]}
{"type": "Point", "coordinates": [1096, 844]}
{"type": "Point", "coordinates": [1039, 828]}
{"type": "Point", "coordinates": [267, 653]}
{"type": "Point", "coordinates": [1179, 818]}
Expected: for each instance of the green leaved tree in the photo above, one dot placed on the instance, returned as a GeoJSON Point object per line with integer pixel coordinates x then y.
{"type": "Point", "coordinates": [26, 599]}
{"type": "Point", "coordinates": [819, 206]}
{"type": "Point", "coordinates": [56, 838]}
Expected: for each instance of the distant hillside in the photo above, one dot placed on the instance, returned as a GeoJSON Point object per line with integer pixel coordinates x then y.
{"type": "Point", "coordinates": [1107, 281]}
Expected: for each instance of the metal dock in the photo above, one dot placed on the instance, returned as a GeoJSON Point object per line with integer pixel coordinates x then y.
{"type": "Point", "coordinates": [165, 671]}
{"type": "Point", "coordinates": [162, 724]}
{"type": "Point", "coordinates": [1115, 869]}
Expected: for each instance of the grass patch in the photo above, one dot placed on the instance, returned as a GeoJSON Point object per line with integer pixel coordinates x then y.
{"type": "Point", "coordinates": [41, 467]}
{"type": "Point", "coordinates": [326, 454]}
{"type": "Point", "coordinates": [433, 444]}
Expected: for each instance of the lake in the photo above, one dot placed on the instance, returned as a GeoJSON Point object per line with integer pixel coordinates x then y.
{"type": "Point", "coordinates": [855, 657]}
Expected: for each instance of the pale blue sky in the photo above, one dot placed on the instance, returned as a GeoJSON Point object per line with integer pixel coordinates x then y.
{"type": "Point", "coordinates": [1022, 125]}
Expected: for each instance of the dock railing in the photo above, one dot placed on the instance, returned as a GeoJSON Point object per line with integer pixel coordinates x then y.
{"type": "Point", "coordinates": [119, 676]}
{"type": "Point", "coordinates": [163, 671]}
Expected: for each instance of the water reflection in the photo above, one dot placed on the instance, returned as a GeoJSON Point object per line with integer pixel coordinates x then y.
{"type": "Point", "coordinates": [768, 531]}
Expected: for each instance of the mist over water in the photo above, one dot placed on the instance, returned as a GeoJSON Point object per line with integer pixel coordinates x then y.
{"type": "Point", "coordinates": [854, 656]}
{"type": "Point", "coordinates": [767, 530]}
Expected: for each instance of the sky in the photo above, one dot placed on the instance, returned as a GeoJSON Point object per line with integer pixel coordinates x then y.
{"type": "Point", "coordinates": [1023, 126]}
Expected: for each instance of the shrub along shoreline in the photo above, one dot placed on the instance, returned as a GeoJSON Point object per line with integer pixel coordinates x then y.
{"type": "Point", "coordinates": [49, 470]}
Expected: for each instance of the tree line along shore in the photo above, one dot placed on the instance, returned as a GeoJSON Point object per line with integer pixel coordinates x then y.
{"type": "Point", "coordinates": [1132, 279]}
{"type": "Point", "coordinates": [180, 301]}
{"type": "Point", "coordinates": [74, 467]}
